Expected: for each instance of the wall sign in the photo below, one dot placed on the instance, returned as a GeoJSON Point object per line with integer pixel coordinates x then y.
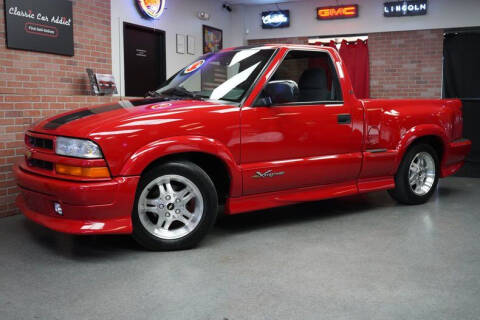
{"type": "Point", "coordinates": [405, 8]}
{"type": "Point", "coordinates": [151, 8]}
{"type": "Point", "coordinates": [40, 25]}
{"type": "Point", "coordinates": [275, 19]}
{"type": "Point", "coordinates": [337, 12]}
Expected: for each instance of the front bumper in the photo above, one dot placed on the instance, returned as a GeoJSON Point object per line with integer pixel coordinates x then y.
{"type": "Point", "coordinates": [88, 207]}
{"type": "Point", "coordinates": [454, 156]}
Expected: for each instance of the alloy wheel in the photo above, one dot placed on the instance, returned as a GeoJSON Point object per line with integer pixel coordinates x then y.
{"type": "Point", "coordinates": [421, 173]}
{"type": "Point", "coordinates": [170, 207]}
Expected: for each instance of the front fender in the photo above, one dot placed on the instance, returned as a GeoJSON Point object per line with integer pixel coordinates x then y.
{"type": "Point", "coordinates": [174, 145]}
{"type": "Point", "coordinates": [417, 132]}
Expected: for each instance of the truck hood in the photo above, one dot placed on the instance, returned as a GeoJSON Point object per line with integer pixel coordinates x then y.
{"type": "Point", "coordinates": [123, 128]}
{"type": "Point", "coordinates": [122, 116]}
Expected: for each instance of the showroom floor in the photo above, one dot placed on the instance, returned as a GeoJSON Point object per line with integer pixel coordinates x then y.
{"type": "Point", "coordinates": [362, 257]}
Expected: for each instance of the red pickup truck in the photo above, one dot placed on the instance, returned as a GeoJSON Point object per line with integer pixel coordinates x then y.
{"type": "Point", "coordinates": [243, 129]}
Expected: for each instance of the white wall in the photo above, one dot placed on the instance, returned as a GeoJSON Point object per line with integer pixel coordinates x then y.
{"type": "Point", "coordinates": [180, 17]}
{"type": "Point", "coordinates": [441, 14]}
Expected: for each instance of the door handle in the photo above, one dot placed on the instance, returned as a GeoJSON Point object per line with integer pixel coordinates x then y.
{"type": "Point", "coordinates": [344, 118]}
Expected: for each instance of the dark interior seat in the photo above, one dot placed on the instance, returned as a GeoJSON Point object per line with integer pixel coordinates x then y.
{"type": "Point", "coordinates": [313, 85]}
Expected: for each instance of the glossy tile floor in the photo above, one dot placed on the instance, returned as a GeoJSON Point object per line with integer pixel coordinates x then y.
{"type": "Point", "coordinates": [362, 257]}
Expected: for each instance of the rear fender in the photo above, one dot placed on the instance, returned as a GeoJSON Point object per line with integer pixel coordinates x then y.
{"type": "Point", "coordinates": [174, 145]}
{"type": "Point", "coordinates": [416, 133]}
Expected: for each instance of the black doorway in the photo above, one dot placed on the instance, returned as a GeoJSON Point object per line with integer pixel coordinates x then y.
{"type": "Point", "coordinates": [144, 59]}
{"type": "Point", "coordinates": [461, 78]}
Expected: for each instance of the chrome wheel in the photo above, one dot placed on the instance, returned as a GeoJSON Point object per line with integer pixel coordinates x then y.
{"type": "Point", "coordinates": [170, 207]}
{"type": "Point", "coordinates": [421, 174]}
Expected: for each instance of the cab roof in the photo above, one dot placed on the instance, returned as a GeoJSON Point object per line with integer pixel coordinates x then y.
{"type": "Point", "coordinates": [280, 46]}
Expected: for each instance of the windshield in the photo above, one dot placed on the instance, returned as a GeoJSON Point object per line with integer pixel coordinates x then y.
{"type": "Point", "coordinates": [226, 75]}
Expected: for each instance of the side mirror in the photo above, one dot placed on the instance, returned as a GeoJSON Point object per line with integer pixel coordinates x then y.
{"type": "Point", "coordinates": [279, 91]}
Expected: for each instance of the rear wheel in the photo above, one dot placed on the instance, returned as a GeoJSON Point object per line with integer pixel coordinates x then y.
{"type": "Point", "coordinates": [175, 207]}
{"type": "Point", "coordinates": [417, 176]}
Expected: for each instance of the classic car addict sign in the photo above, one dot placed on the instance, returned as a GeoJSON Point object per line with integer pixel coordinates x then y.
{"type": "Point", "coordinates": [405, 8]}
{"type": "Point", "coordinates": [337, 12]}
{"type": "Point", "coordinates": [275, 19]}
{"type": "Point", "coordinates": [40, 25]}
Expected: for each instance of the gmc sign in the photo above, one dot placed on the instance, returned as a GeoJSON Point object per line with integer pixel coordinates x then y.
{"type": "Point", "coordinates": [337, 12]}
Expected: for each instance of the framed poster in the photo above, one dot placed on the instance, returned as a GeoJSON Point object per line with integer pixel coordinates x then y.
{"type": "Point", "coordinates": [181, 43]}
{"type": "Point", "coordinates": [212, 39]}
{"type": "Point", "coordinates": [106, 84]}
{"type": "Point", "coordinates": [94, 91]}
{"type": "Point", "coordinates": [190, 44]}
{"type": "Point", "coordinates": [40, 25]}
{"type": "Point", "coordinates": [101, 84]}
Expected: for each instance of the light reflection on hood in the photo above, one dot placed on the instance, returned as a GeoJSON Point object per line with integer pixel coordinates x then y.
{"type": "Point", "coordinates": [148, 122]}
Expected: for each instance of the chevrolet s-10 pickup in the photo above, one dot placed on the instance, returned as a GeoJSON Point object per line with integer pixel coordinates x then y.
{"type": "Point", "coordinates": [242, 129]}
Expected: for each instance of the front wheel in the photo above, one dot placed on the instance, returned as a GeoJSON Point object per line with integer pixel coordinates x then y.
{"type": "Point", "coordinates": [417, 175]}
{"type": "Point", "coordinates": [175, 206]}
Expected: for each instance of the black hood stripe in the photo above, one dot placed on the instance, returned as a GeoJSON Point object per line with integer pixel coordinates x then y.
{"type": "Point", "coordinates": [55, 123]}
{"type": "Point", "coordinates": [125, 104]}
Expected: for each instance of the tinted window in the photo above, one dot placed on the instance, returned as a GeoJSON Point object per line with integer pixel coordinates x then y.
{"type": "Point", "coordinates": [226, 75]}
{"type": "Point", "coordinates": [313, 73]}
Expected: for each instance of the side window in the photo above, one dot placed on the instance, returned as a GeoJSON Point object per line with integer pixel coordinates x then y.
{"type": "Point", "coordinates": [310, 76]}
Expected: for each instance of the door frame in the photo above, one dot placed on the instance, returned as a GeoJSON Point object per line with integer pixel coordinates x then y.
{"type": "Point", "coordinates": [445, 32]}
{"type": "Point", "coordinates": [471, 168]}
{"type": "Point", "coordinates": [163, 49]}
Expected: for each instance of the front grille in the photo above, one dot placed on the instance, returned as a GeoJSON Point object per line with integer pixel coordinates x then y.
{"type": "Point", "coordinates": [36, 163]}
{"type": "Point", "coordinates": [40, 142]}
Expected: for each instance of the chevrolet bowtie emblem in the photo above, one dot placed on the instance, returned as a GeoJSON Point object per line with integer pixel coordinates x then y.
{"type": "Point", "coordinates": [28, 154]}
{"type": "Point", "coordinates": [267, 174]}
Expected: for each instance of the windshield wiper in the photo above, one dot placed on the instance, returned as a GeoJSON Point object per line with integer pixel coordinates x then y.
{"type": "Point", "coordinates": [152, 94]}
{"type": "Point", "coordinates": [182, 92]}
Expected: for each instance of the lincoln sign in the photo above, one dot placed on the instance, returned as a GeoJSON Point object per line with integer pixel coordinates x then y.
{"type": "Point", "coordinates": [405, 8]}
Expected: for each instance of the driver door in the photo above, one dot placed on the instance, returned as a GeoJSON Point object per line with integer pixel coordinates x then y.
{"type": "Point", "coordinates": [305, 142]}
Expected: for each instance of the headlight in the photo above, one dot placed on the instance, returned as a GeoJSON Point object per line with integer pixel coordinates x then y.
{"type": "Point", "coordinates": [79, 148]}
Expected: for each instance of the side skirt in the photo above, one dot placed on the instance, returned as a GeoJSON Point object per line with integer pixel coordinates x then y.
{"type": "Point", "coordinates": [292, 196]}
{"type": "Point", "coordinates": [375, 184]}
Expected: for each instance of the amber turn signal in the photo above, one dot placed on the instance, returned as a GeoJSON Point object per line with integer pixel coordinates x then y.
{"type": "Point", "coordinates": [86, 172]}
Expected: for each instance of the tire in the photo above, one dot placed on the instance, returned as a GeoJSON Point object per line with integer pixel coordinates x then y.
{"type": "Point", "coordinates": [175, 207]}
{"type": "Point", "coordinates": [417, 166]}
